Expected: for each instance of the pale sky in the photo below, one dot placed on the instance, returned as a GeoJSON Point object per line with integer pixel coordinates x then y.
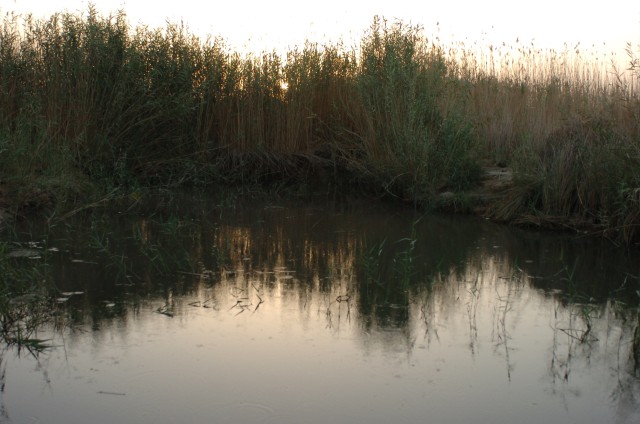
{"type": "Point", "coordinates": [276, 24]}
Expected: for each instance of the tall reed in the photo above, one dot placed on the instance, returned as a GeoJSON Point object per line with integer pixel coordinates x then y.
{"type": "Point", "coordinates": [89, 101]}
{"type": "Point", "coordinates": [570, 129]}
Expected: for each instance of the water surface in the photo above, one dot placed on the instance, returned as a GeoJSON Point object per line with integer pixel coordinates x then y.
{"type": "Point", "coordinates": [191, 309]}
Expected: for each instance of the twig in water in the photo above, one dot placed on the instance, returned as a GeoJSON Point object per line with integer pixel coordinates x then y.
{"type": "Point", "coordinates": [238, 303]}
{"type": "Point", "coordinates": [102, 392]}
{"type": "Point", "coordinates": [259, 303]}
{"type": "Point", "coordinates": [164, 311]}
{"type": "Point", "coordinates": [235, 291]}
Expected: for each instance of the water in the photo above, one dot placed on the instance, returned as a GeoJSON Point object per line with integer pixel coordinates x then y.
{"type": "Point", "coordinates": [195, 310]}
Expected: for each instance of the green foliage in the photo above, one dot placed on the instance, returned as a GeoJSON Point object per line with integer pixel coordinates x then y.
{"type": "Point", "coordinates": [89, 103]}
{"type": "Point", "coordinates": [401, 82]}
{"type": "Point", "coordinates": [94, 98]}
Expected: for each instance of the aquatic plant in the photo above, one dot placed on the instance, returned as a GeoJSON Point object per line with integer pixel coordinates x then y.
{"type": "Point", "coordinates": [26, 301]}
{"type": "Point", "coordinates": [371, 262]}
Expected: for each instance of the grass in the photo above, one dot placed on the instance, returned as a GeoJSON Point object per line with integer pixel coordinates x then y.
{"type": "Point", "coordinates": [92, 106]}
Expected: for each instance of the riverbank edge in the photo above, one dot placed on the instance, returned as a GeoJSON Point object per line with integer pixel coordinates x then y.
{"type": "Point", "coordinates": [483, 199]}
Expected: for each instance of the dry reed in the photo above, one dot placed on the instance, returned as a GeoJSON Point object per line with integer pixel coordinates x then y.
{"type": "Point", "coordinates": [87, 99]}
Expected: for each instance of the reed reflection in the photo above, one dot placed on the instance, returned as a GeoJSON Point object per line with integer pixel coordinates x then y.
{"type": "Point", "coordinates": [527, 306]}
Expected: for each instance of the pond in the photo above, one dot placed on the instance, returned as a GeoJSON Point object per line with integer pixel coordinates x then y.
{"type": "Point", "coordinates": [196, 309]}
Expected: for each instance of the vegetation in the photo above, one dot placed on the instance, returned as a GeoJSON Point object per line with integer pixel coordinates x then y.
{"type": "Point", "coordinates": [91, 106]}
{"type": "Point", "coordinates": [26, 301]}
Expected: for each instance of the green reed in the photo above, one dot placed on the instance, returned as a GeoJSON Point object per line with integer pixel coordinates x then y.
{"type": "Point", "coordinates": [91, 104]}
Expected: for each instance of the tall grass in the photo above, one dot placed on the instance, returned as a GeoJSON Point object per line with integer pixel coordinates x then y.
{"type": "Point", "coordinates": [570, 128]}
{"type": "Point", "coordinates": [407, 136]}
{"type": "Point", "coordinates": [88, 101]}
{"type": "Point", "coordinates": [568, 125]}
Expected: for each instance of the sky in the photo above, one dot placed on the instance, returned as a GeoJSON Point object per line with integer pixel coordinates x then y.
{"type": "Point", "coordinates": [259, 25]}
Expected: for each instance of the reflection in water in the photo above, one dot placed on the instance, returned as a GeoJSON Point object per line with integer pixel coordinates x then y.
{"type": "Point", "coordinates": [331, 312]}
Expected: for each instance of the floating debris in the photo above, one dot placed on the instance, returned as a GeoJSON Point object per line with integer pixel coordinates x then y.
{"type": "Point", "coordinates": [343, 298]}
{"type": "Point", "coordinates": [104, 392]}
{"type": "Point", "coordinates": [33, 345]}
{"type": "Point", "coordinates": [236, 291]}
{"type": "Point", "coordinates": [207, 304]}
{"type": "Point", "coordinates": [74, 293]}
{"type": "Point", "coordinates": [82, 261]}
{"type": "Point", "coordinates": [24, 253]}
{"type": "Point", "coordinates": [164, 311]}
{"type": "Point", "coordinates": [25, 298]}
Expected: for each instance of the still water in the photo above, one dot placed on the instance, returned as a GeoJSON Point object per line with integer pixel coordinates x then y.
{"type": "Point", "coordinates": [192, 309]}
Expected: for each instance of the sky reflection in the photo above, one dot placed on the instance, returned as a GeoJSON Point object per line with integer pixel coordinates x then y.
{"type": "Point", "coordinates": [275, 316]}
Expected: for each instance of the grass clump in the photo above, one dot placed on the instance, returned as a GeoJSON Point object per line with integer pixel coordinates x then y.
{"type": "Point", "coordinates": [408, 137]}
{"type": "Point", "coordinates": [584, 175]}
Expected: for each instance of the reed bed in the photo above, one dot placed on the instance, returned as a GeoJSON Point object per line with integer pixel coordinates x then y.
{"type": "Point", "coordinates": [90, 102]}
{"type": "Point", "coordinates": [570, 129]}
